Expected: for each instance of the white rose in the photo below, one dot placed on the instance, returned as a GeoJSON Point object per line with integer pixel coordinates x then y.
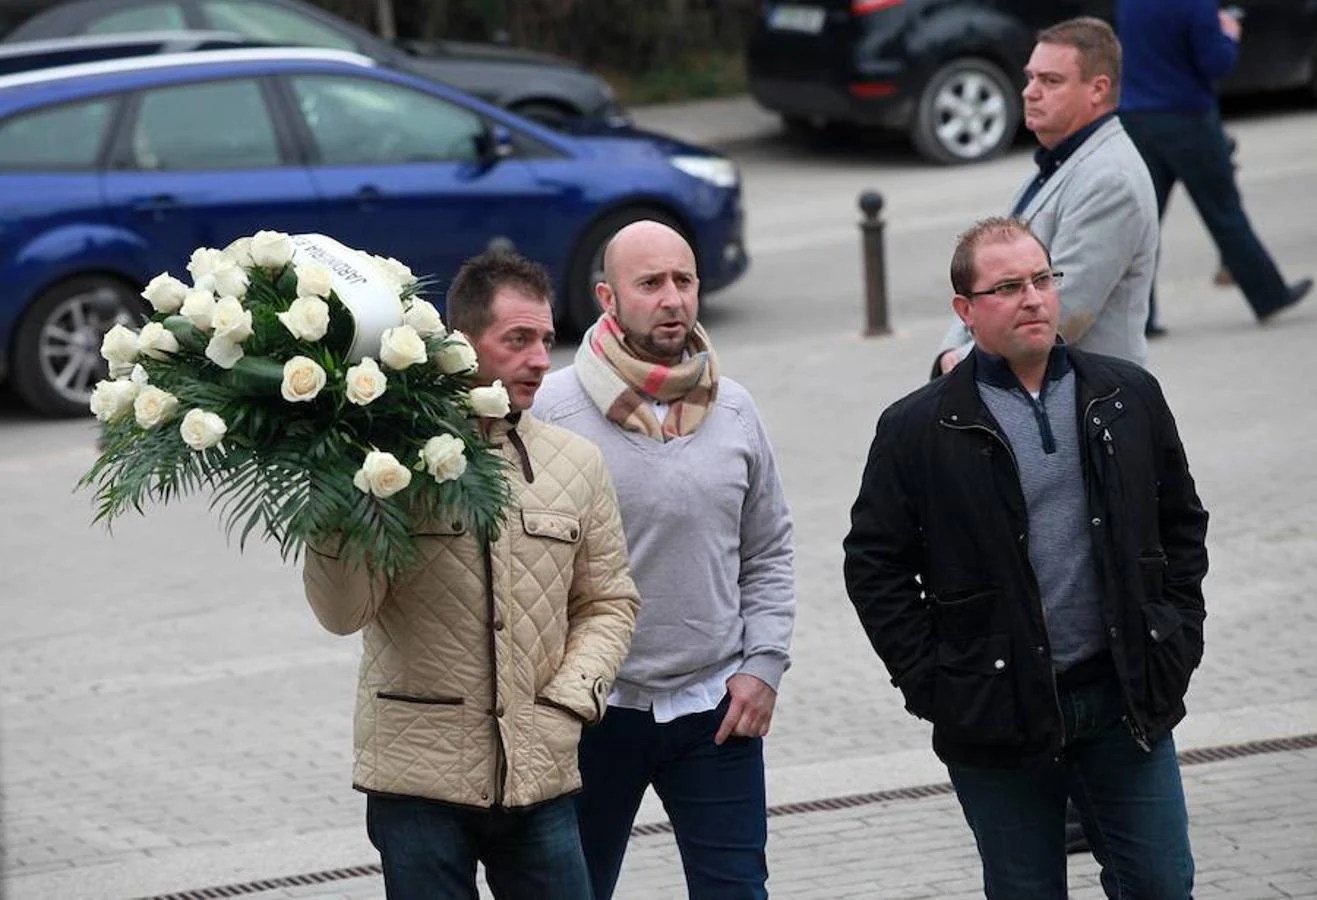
{"type": "Point", "coordinates": [230, 321]}
{"type": "Point", "coordinates": [201, 429]}
{"type": "Point", "coordinates": [422, 316]}
{"type": "Point", "coordinates": [303, 379]}
{"type": "Point", "coordinates": [395, 271]}
{"type": "Point", "coordinates": [490, 402]}
{"type": "Point", "coordinates": [365, 382]}
{"type": "Point", "coordinates": [153, 406]}
{"type": "Point", "coordinates": [119, 346]}
{"type": "Point", "coordinates": [138, 376]}
{"type": "Point", "coordinates": [382, 475]}
{"type": "Point", "coordinates": [314, 280]}
{"type": "Point", "coordinates": [224, 352]}
{"type": "Point", "coordinates": [307, 318]}
{"type": "Point", "coordinates": [199, 308]}
{"type": "Point", "coordinates": [112, 399]}
{"type": "Point", "coordinates": [456, 356]}
{"type": "Point", "coordinates": [240, 252]}
{"type": "Point", "coordinates": [271, 249]}
{"type": "Point", "coordinates": [165, 293]}
{"type": "Point", "coordinates": [444, 457]}
{"type": "Point", "coordinates": [203, 262]}
{"type": "Point", "coordinates": [227, 280]}
{"type": "Point", "coordinates": [401, 347]}
{"type": "Point", "coordinates": [156, 341]}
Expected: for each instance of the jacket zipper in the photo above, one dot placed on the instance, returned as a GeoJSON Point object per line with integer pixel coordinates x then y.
{"type": "Point", "coordinates": [1108, 445]}
{"type": "Point", "coordinates": [1042, 611]}
{"type": "Point", "coordinates": [500, 758]}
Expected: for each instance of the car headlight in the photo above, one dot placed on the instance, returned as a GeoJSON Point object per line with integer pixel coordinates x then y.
{"type": "Point", "coordinates": [713, 169]}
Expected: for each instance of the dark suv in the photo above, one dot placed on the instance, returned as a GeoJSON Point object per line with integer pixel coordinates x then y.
{"type": "Point", "coordinates": [949, 72]}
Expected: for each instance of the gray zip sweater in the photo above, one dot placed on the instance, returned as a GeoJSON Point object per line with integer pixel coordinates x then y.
{"type": "Point", "coordinates": [709, 536]}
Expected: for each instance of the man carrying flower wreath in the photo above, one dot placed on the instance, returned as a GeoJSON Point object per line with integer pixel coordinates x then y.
{"type": "Point", "coordinates": [482, 662]}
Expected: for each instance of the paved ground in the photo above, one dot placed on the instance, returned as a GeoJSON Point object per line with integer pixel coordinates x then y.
{"type": "Point", "coordinates": [171, 717]}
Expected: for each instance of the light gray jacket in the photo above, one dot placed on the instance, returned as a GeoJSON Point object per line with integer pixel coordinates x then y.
{"type": "Point", "coordinates": [1098, 216]}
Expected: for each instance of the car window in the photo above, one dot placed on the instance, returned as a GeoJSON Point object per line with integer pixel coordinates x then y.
{"type": "Point", "coordinates": [146, 17]}
{"type": "Point", "coordinates": [217, 125]}
{"type": "Point", "coordinates": [274, 25]}
{"type": "Point", "coordinates": [62, 137]}
{"type": "Point", "coordinates": [354, 121]}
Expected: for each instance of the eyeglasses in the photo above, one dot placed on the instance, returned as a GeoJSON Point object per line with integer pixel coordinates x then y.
{"type": "Point", "coordinates": [1012, 290]}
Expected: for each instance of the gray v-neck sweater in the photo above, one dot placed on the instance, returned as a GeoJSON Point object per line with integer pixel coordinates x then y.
{"type": "Point", "coordinates": [709, 536]}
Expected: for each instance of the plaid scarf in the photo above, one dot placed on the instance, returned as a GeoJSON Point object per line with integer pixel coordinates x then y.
{"type": "Point", "coordinates": [621, 384]}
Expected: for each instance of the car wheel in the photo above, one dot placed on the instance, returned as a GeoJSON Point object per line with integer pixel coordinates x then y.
{"type": "Point", "coordinates": [550, 115]}
{"type": "Point", "coordinates": [57, 348]}
{"type": "Point", "coordinates": [969, 111]}
{"type": "Point", "coordinates": [587, 263]}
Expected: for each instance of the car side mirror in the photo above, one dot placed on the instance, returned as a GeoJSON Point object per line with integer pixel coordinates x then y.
{"type": "Point", "coordinates": [494, 144]}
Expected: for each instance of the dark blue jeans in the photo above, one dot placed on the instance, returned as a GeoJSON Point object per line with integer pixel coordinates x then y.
{"type": "Point", "coordinates": [1131, 802]}
{"type": "Point", "coordinates": [1193, 149]}
{"type": "Point", "coordinates": [713, 794]}
{"type": "Point", "coordinates": [429, 850]}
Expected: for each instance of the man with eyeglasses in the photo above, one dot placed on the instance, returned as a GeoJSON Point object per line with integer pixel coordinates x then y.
{"type": "Point", "coordinates": [1026, 555]}
{"type": "Point", "coordinates": [1091, 199]}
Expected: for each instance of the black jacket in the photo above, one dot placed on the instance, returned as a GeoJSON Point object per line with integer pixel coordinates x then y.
{"type": "Point", "coordinates": [937, 562]}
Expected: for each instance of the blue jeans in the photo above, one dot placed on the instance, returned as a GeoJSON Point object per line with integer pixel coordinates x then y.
{"type": "Point", "coordinates": [1193, 148]}
{"type": "Point", "coordinates": [429, 850]}
{"type": "Point", "coordinates": [1131, 802]}
{"type": "Point", "coordinates": [713, 794]}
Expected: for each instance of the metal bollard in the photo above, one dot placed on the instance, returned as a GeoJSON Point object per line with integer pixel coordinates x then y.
{"type": "Point", "coordinates": [875, 265]}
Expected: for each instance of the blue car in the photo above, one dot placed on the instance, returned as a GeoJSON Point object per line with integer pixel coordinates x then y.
{"type": "Point", "coordinates": [114, 171]}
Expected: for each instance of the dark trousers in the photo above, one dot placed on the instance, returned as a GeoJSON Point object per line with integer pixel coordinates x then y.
{"type": "Point", "coordinates": [1193, 149]}
{"type": "Point", "coordinates": [429, 850]}
{"type": "Point", "coordinates": [714, 796]}
{"type": "Point", "coordinates": [1131, 802]}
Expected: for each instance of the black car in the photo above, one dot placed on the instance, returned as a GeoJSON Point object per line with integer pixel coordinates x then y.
{"type": "Point", "coordinates": [538, 86]}
{"type": "Point", "coordinates": [949, 72]}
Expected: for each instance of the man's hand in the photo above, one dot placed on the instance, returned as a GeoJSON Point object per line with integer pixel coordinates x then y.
{"type": "Point", "coordinates": [1230, 24]}
{"type": "Point", "coordinates": [751, 709]}
{"type": "Point", "coordinates": [948, 361]}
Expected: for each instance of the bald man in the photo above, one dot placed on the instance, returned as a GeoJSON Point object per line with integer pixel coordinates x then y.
{"type": "Point", "coordinates": [709, 536]}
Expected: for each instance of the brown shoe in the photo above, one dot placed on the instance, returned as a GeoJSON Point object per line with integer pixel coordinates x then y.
{"type": "Point", "coordinates": [1223, 278]}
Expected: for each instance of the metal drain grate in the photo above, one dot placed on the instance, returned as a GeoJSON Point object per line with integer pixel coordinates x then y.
{"type": "Point", "coordinates": [273, 884]}
{"type": "Point", "coordinates": [919, 792]}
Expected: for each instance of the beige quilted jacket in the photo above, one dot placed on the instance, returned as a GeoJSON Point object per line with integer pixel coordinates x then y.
{"type": "Point", "coordinates": [477, 696]}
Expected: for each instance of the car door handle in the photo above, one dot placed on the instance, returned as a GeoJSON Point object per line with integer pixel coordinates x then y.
{"type": "Point", "coordinates": [156, 206]}
{"type": "Point", "coordinates": [368, 196]}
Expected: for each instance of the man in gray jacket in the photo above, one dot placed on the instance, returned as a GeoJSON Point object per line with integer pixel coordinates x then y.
{"type": "Point", "coordinates": [709, 537]}
{"type": "Point", "coordinates": [1091, 201]}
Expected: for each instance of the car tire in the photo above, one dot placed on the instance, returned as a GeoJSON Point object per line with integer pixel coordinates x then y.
{"type": "Point", "coordinates": [969, 111]}
{"type": "Point", "coordinates": [57, 347]}
{"type": "Point", "coordinates": [550, 115]}
{"type": "Point", "coordinates": [581, 309]}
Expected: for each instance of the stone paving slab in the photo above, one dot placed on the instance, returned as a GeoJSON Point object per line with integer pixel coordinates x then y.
{"type": "Point", "coordinates": [1253, 826]}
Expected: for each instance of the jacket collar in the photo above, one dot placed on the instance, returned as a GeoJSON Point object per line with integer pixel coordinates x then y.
{"type": "Point", "coordinates": [1106, 128]}
{"type": "Point", "coordinates": [511, 428]}
{"type": "Point", "coordinates": [996, 371]}
{"type": "Point", "coordinates": [1049, 160]}
{"type": "Point", "coordinates": [962, 404]}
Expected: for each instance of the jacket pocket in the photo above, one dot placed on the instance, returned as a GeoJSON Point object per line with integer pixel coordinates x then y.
{"type": "Point", "coordinates": [965, 613]}
{"type": "Point", "coordinates": [422, 746]}
{"type": "Point", "coordinates": [1169, 658]}
{"type": "Point", "coordinates": [1152, 568]}
{"type": "Point", "coordinates": [974, 691]}
{"type": "Point", "coordinates": [441, 528]}
{"type": "Point", "coordinates": [557, 730]}
{"type": "Point", "coordinates": [555, 526]}
{"type": "Point", "coordinates": [402, 697]}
